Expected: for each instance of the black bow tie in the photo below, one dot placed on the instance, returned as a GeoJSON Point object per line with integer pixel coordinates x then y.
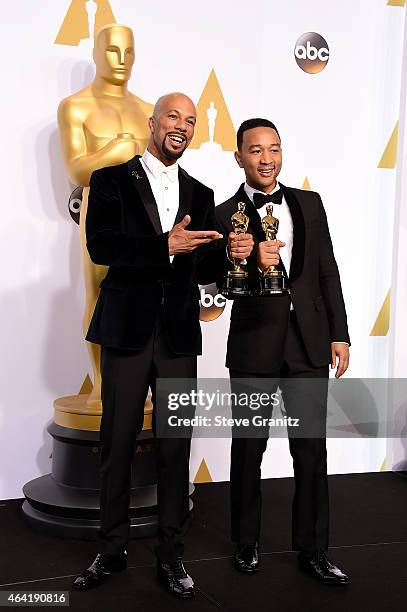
{"type": "Point", "coordinates": [260, 199]}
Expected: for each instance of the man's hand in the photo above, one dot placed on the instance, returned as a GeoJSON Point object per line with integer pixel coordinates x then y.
{"type": "Point", "coordinates": [181, 240]}
{"type": "Point", "coordinates": [268, 254]}
{"type": "Point", "coordinates": [339, 351]}
{"type": "Point", "coordinates": [240, 245]}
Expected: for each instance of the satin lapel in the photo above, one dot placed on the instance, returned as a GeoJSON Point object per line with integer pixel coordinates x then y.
{"type": "Point", "coordinates": [142, 185]}
{"type": "Point", "coordinates": [255, 227]}
{"type": "Point", "coordinates": [297, 255]}
{"type": "Point", "coordinates": [185, 194]}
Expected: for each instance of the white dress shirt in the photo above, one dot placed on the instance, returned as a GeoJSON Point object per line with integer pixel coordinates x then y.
{"type": "Point", "coordinates": [165, 187]}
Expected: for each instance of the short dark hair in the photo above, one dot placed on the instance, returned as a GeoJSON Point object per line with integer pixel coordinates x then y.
{"type": "Point", "coordinates": [249, 124]}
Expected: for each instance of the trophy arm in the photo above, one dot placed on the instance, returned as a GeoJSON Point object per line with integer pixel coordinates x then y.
{"type": "Point", "coordinates": [79, 161]}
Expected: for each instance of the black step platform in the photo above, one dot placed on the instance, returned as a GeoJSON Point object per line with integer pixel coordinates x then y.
{"type": "Point", "coordinates": [368, 539]}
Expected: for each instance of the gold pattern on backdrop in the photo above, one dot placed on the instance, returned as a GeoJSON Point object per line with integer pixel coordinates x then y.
{"type": "Point", "coordinates": [383, 467]}
{"type": "Point", "coordinates": [214, 125]}
{"type": "Point", "coordinates": [306, 184]}
{"type": "Point", "coordinates": [203, 474]}
{"type": "Point", "coordinates": [382, 323]}
{"type": "Point", "coordinates": [396, 2]}
{"type": "Point", "coordinates": [83, 19]}
{"type": "Point", "coordinates": [389, 157]}
{"type": "Point", "coordinates": [86, 385]}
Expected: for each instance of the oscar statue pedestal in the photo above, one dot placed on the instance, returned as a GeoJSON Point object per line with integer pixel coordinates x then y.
{"type": "Point", "coordinates": [66, 502]}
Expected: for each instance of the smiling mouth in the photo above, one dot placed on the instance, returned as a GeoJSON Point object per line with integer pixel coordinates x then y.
{"type": "Point", "coordinates": [176, 139]}
{"type": "Point", "coordinates": [265, 171]}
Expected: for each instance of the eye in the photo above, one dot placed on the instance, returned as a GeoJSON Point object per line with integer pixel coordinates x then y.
{"type": "Point", "coordinates": [256, 151]}
{"type": "Point", "coordinates": [191, 121]}
{"type": "Point", "coordinates": [172, 116]}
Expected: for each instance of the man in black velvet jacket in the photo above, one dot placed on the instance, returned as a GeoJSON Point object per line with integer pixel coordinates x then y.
{"type": "Point", "coordinates": [152, 224]}
{"type": "Point", "coordinates": [291, 338]}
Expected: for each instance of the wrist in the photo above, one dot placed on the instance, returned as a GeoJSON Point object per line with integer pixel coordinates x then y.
{"type": "Point", "coordinates": [170, 246]}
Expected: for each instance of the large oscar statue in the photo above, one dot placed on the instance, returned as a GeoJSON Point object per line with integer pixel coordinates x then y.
{"type": "Point", "coordinates": [101, 125]}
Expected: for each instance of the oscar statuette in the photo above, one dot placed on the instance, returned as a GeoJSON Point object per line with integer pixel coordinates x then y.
{"type": "Point", "coordinates": [236, 280]}
{"type": "Point", "coordinates": [272, 281]}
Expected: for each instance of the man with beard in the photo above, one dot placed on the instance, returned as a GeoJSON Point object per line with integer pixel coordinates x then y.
{"type": "Point", "coordinates": [147, 220]}
{"type": "Point", "coordinates": [290, 338]}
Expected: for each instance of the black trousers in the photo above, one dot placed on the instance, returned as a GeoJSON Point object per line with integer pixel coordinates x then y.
{"type": "Point", "coordinates": [310, 512]}
{"type": "Point", "coordinates": [126, 377]}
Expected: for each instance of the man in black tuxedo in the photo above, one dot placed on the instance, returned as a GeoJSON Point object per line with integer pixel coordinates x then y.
{"type": "Point", "coordinates": [290, 338]}
{"type": "Point", "coordinates": [147, 322]}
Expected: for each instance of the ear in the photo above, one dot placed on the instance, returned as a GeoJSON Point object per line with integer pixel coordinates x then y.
{"type": "Point", "coordinates": [151, 124]}
{"type": "Point", "coordinates": [238, 159]}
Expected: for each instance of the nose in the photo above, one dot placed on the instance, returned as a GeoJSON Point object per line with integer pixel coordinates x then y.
{"type": "Point", "coordinates": [266, 159]}
{"type": "Point", "coordinates": [120, 55]}
{"type": "Point", "coordinates": [181, 126]}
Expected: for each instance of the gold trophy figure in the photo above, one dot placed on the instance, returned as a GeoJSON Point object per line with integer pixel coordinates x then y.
{"type": "Point", "coordinates": [272, 280]}
{"type": "Point", "coordinates": [102, 125]}
{"type": "Point", "coordinates": [236, 280]}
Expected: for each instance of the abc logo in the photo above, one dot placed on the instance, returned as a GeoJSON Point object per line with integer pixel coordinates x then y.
{"type": "Point", "coordinates": [212, 303]}
{"type": "Point", "coordinates": [311, 52]}
{"type": "Point", "coordinates": [75, 203]}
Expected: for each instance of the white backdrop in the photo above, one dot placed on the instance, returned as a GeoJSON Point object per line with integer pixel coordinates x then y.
{"type": "Point", "coordinates": [335, 127]}
{"type": "Point", "coordinates": [397, 443]}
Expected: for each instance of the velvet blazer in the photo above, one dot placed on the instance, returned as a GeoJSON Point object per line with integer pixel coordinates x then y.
{"type": "Point", "coordinates": [123, 231]}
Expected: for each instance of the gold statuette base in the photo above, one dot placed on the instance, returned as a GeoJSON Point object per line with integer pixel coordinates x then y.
{"type": "Point", "coordinates": [71, 411]}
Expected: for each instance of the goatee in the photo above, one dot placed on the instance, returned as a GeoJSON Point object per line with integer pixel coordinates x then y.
{"type": "Point", "coordinates": [171, 154]}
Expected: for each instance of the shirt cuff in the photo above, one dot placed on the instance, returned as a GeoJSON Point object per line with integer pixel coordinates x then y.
{"type": "Point", "coordinates": [340, 342]}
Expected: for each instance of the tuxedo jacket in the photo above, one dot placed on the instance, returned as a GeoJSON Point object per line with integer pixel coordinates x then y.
{"type": "Point", "coordinates": [259, 325]}
{"type": "Point", "coordinates": [123, 231]}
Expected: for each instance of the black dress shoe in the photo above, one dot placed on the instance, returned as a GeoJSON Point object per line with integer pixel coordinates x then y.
{"type": "Point", "coordinates": [100, 570]}
{"type": "Point", "coordinates": [246, 558]}
{"type": "Point", "coordinates": [175, 579]}
{"type": "Point", "coordinates": [320, 567]}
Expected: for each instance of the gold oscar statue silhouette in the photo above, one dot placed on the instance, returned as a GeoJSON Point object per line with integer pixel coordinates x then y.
{"type": "Point", "coordinates": [101, 125]}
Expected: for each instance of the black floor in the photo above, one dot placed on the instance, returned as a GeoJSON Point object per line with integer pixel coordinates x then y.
{"type": "Point", "coordinates": [368, 540]}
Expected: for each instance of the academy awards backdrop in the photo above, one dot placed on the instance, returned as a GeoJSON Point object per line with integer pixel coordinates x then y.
{"type": "Point", "coordinates": [329, 75]}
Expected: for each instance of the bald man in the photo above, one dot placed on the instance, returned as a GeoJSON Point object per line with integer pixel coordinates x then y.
{"type": "Point", "coordinates": [154, 225]}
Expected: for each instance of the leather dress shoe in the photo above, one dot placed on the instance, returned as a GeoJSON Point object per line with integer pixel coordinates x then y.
{"type": "Point", "coordinates": [320, 567]}
{"type": "Point", "coordinates": [100, 570]}
{"type": "Point", "coordinates": [246, 558]}
{"type": "Point", "coordinates": [175, 579]}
